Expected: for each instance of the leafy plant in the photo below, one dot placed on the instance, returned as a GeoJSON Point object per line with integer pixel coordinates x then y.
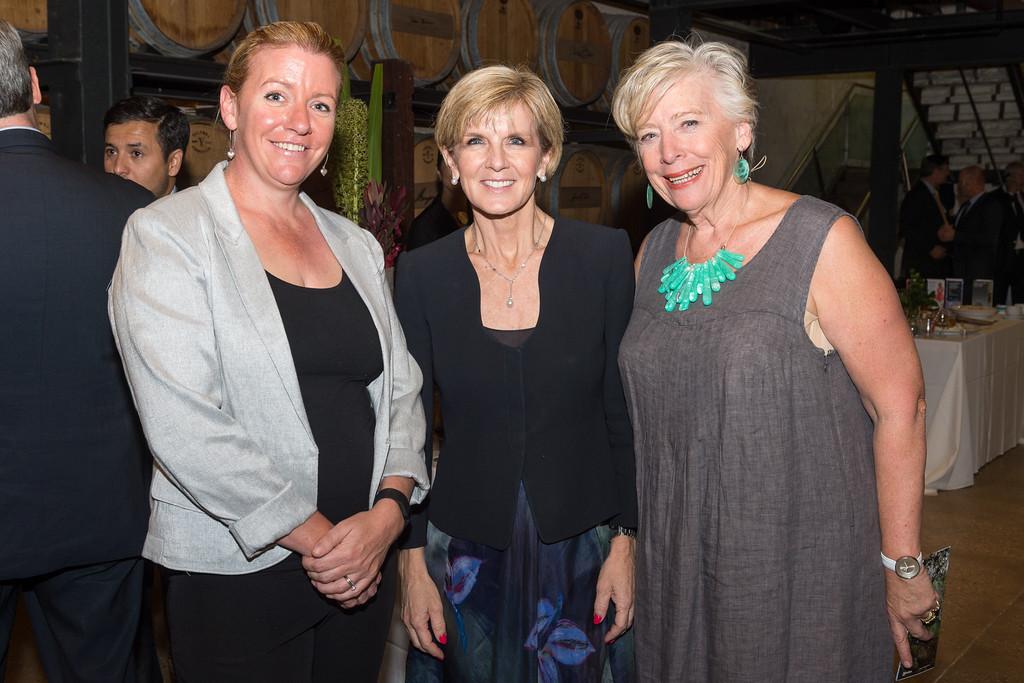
{"type": "Point", "coordinates": [350, 150]}
{"type": "Point", "coordinates": [915, 297]}
{"type": "Point", "coordinates": [381, 214]}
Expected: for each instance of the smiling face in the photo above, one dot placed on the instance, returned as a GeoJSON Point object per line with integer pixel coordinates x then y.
{"type": "Point", "coordinates": [688, 147]}
{"type": "Point", "coordinates": [132, 150]}
{"type": "Point", "coordinates": [283, 115]}
{"type": "Point", "coordinates": [497, 161]}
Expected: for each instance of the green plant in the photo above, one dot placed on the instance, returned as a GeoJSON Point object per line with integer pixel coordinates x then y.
{"type": "Point", "coordinates": [350, 150]}
{"type": "Point", "coordinates": [915, 297]}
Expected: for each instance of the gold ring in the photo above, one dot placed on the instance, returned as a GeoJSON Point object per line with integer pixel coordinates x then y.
{"type": "Point", "coordinates": [352, 585]}
{"type": "Point", "coordinates": [929, 617]}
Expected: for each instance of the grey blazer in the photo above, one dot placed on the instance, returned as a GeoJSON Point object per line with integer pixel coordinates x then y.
{"type": "Point", "coordinates": [212, 376]}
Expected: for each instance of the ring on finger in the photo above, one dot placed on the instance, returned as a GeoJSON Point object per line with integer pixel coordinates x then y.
{"type": "Point", "coordinates": [929, 617]}
{"type": "Point", "coordinates": [351, 583]}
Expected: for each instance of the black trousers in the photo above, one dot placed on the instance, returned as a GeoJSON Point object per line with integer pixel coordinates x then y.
{"type": "Point", "coordinates": [88, 617]}
{"type": "Point", "coordinates": [273, 626]}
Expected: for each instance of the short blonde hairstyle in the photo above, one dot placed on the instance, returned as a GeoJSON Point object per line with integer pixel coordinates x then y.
{"type": "Point", "coordinates": [658, 69]}
{"type": "Point", "coordinates": [308, 35]}
{"type": "Point", "coordinates": [485, 92]}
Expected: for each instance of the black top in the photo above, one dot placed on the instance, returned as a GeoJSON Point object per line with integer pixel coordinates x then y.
{"type": "Point", "coordinates": [549, 413]}
{"type": "Point", "coordinates": [433, 223]}
{"type": "Point", "coordinates": [337, 353]}
{"type": "Point", "coordinates": [74, 467]}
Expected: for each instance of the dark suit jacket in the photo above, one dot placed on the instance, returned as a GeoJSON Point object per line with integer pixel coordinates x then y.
{"type": "Point", "coordinates": [73, 463]}
{"type": "Point", "coordinates": [920, 220]}
{"type": "Point", "coordinates": [433, 223]}
{"type": "Point", "coordinates": [550, 414]}
{"type": "Point", "coordinates": [976, 245]}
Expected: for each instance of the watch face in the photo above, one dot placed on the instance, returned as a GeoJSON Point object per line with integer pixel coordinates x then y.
{"type": "Point", "coordinates": [907, 567]}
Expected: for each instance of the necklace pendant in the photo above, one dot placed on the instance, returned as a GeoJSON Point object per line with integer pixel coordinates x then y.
{"type": "Point", "coordinates": [509, 302]}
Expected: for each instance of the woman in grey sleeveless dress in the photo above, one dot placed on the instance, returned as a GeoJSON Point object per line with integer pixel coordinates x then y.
{"type": "Point", "coordinates": [777, 405]}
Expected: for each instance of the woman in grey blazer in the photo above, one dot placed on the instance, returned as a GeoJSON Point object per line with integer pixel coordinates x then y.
{"type": "Point", "coordinates": [275, 390]}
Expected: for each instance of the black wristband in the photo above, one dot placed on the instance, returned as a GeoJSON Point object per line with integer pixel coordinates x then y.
{"type": "Point", "coordinates": [398, 497]}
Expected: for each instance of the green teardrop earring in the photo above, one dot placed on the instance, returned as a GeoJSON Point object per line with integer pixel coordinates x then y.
{"type": "Point", "coordinates": [742, 171]}
{"type": "Point", "coordinates": [650, 196]}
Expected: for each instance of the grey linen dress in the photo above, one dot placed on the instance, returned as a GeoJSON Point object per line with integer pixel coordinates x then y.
{"type": "Point", "coordinates": [757, 558]}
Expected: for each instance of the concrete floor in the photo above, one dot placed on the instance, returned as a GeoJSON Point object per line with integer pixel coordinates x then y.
{"type": "Point", "coordinates": [983, 619]}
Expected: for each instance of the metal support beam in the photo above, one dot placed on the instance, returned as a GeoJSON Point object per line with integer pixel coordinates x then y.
{"type": "Point", "coordinates": [669, 18]}
{"type": "Point", "coordinates": [885, 165]}
{"type": "Point", "coordinates": [981, 124]}
{"type": "Point", "coordinates": [86, 72]}
{"type": "Point", "coordinates": [1016, 79]}
{"type": "Point", "coordinates": [998, 49]}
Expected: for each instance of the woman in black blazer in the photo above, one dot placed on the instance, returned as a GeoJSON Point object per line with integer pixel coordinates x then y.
{"type": "Point", "coordinates": [528, 554]}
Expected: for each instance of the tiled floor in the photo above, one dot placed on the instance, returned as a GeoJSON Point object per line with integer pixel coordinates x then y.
{"type": "Point", "coordinates": [983, 619]}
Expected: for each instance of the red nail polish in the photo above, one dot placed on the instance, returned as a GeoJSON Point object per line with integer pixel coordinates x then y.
{"type": "Point", "coordinates": [443, 639]}
{"type": "Point", "coordinates": [598, 618]}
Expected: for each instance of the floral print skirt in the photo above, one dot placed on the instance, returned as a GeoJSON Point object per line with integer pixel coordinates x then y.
{"type": "Point", "coordinates": [524, 614]}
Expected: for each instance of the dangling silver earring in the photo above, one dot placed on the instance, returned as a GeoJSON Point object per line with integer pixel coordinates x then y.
{"type": "Point", "coordinates": [323, 169]}
{"type": "Point", "coordinates": [231, 145]}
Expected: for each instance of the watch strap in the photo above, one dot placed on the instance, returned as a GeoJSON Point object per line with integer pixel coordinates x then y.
{"type": "Point", "coordinates": [397, 496]}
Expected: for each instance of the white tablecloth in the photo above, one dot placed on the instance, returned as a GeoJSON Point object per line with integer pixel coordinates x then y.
{"type": "Point", "coordinates": [975, 391]}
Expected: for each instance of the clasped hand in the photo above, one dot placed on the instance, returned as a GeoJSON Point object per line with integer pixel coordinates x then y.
{"type": "Point", "coordinates": [344, 564]}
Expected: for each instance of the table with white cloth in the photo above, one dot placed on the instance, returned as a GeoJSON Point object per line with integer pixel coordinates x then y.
{"type": "Point", "coordinates": [974, 386]}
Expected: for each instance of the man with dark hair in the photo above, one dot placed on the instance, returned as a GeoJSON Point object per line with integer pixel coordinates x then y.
{"type": "Point", "coordinates": [73, 462]}
{"type": "Point", "coordinates": [921, 216]}
{"type": "Point", "coordinates": [447, 212]}
{"type": "Point", "coordinates": [145, 142]}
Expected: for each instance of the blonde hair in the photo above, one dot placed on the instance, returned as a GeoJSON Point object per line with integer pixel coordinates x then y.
{"type": "Point", "coordinates": [484, 92]}
{"type": "Point", "coordinates": [661, 66]}
{"type": "Point", "coordinates": [308, 35]}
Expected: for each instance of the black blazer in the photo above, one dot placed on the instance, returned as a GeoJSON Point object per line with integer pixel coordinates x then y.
{"type": "Point", "coordinates": [550, 414]}
{"type": "Point", "coordinates": [920, 220]}
{"type": "Point", "coordinates": [73, 463]}
{"type": "Point", "coordinates": [975, 246]}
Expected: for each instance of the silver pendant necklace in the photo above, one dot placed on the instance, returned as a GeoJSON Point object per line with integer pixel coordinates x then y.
{"type": "Point", "coordinates": [510, 279]}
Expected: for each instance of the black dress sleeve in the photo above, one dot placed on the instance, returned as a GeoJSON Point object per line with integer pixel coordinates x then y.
{"type": "Point", "coordinates": [417, 338]}
{"type": "Point", "coordinates": [618, 308]}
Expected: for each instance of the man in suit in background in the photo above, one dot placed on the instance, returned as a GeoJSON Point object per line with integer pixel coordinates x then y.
{"type": "Point", "coordinates": [73, 462]}
{"type": "Point", "coordinates": [144, 141]}
{"type": "Point", "coordinates": [1011, 241]}
{"type": "Point", "coordinates": [975, 230]}
{"type": "Point", "coordinates": [921, 216]}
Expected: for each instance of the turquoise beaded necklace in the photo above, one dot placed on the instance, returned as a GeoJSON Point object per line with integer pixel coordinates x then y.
{"type": "Point", "coordinates": [683, 282]}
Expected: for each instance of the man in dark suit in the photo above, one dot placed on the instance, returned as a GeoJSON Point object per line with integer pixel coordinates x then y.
{"type": "Point", "coordinates": [975, 230]}
{"type": "Point", "coordinates": [1011, 241]}
{"type": "Point", "coordinates": [921, 216]}
{"type": "Point", "coordinates": [73, 463]}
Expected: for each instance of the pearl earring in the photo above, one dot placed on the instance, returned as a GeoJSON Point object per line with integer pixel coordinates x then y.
{"type": "Point", "coordinates": [231, 145]}
{"type": "Point", "coordinates": [455, 180]}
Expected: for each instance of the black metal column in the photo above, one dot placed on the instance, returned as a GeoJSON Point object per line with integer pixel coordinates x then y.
{"type": "Point", "coordinates": [86, 72]}
{"type": "Point", "coordinates": [669, 18]}
{"type": "Point", "coordinates": [885, 165]}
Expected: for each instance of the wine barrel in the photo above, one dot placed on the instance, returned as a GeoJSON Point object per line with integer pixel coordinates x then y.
{"type": "Point", "coordinates": [575, 50]}
{"type": "Point", "coordinates": [424, 172]}
{"type": "Point", "coordinates": [347, 21]}
{"type": "Point", "coordinates": [207, 145]}
{"type": "Point", "coordinates": [27, 16]}
{"type": "Point", "coordinates": [577, 188]}
{"type": "Point", "coordinates": [498, 32]}
{"type": "Point", "coordinates": [626, 185]}
{"type": "Point", "coordinates": [630, 35]}
{"type": "Point", "coordinates": [425, 33]}
{"type": "Point", "coordinates": [186, 29]}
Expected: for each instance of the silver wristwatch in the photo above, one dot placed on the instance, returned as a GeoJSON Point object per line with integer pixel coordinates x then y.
{"type": "Point", "coordinates": [906, 567]}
